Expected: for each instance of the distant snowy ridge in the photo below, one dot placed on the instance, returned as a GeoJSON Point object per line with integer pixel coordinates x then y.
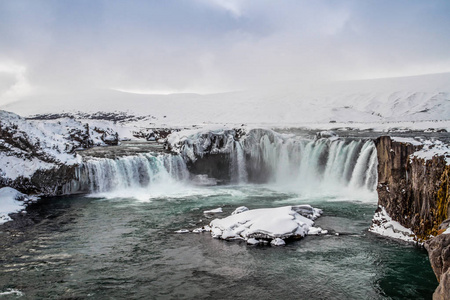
{"type": "Point", "coordinates": [418, 98]}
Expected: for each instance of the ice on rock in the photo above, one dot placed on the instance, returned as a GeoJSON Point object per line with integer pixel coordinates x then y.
{"type": "Point", "coordinates": [252, 241]}
{"type": "Point", "coordinates": [182, 231]}
{"type": "Point", "coordinates": [202, 229]}
{"type": "Point", "coordinates": [308, 211]}
{"type": "Point", "coordinates": [316, 231]}
{"type": "Point", "coordinates": [213, 211]}
{"type": "Point", "coordinates": [267, 223]}
{"type": "Point", "coordinates": [277, 242]}
{"type": "Point", "coordinates": [239, 210]}
{"type": "Point", "coordinates": [383, 224]}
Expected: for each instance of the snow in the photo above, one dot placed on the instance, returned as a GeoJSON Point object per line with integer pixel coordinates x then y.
{"type": "Point", "coordinates": [12, 167]}
{"type": "Point", "coordinates": [13, 292]}
{"type": "Point", "coordinates": [277, 242]}
{"type": "Point", "coordinates": [273, 224]}
{"type": "Point", "coordinates": [411, 141]}
{"type": "Point", "coordinates": [239, 210]}
{"type": "Point", "coordinates": [383, 224]}
{"type": "Point", "coordinates": [12, 201]}
{"type": "Point", "coordinates": [213, 211]}
{"type": "Point", "coordinates": [433, 148]}
{"type": "Point", "coordinates": [252, 241]}
{"type": "Point", "coordinates": [428, 148]}
{"type": "Point", "coordinates": [407, 99]}
{"type": "Point", "coordinates": [36, 144]}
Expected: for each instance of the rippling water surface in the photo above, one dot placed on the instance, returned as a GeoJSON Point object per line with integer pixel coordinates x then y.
{"type": "Point", "coordinates": [110, 247]}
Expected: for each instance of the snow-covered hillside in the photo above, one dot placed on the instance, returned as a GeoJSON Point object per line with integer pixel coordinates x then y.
{"type": "Point", "coordinates": [30, 145]}
{"type": "Point", "coordinates": [415, 98]}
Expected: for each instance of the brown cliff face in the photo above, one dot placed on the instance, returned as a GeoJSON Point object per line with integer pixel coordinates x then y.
{"type": "Point", "coordinates": [439, 252]}
{"type": "Point", "coordinates": [413, 191]}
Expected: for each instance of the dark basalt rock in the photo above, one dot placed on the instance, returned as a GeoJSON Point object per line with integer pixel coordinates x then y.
{"type": "Point", "coordinates": [439, 253]}
{"type": "Point", "coordinates": [57, 181]}
{"type": "Point", "coordinates": [214, 165]}
{"type": "Point", "coordinates": [414, 191]}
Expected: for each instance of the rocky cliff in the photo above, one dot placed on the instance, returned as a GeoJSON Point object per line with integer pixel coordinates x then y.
{"type": "Point", "coordinates": [414, 190]}
{"type": "Point", "coordinates": [439, 252]}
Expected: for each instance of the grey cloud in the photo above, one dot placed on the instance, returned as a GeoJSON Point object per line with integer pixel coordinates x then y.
{"type": "Point", "coordinates": [220, 45]}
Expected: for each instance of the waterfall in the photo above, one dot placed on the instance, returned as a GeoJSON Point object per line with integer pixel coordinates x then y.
{"type": "Point", "coordinates": [307, 163]}
{"type": "Point", "coordinates": [238, 167]}
{"type": "Point", "coordinates": [130, 172]}
{"type": "Point", "coordinates": [261, 156]}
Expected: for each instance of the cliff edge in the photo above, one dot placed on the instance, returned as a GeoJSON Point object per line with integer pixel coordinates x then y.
{"type": "Point", "coordinates": [413, 189]}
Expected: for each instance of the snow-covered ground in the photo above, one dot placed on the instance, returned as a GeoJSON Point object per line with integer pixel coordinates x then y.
{"type": "Point", "coordinates": [408, 99]}
{"type": "Point", "coordinates": [434, 148]}
{"type": "Point", "coordinates": [12, 201]}
{"type": "Point", "coordinates": [428, 147]}
{"type": "Point", "coordinates": [383, 224]}
{"type": "Point", "coordinates": [30, 145]}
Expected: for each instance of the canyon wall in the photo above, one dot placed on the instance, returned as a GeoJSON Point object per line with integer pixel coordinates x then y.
{"type": "Point", "coordinates": [415, 192]}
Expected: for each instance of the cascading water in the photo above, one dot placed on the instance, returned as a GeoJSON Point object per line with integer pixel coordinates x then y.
{"type": "Point", "coordinates": [138, 171]}
{"type": "Point", "coordinates": [262, 156]}
{"type": "Point", "coordinates": [237, 167]}
{"type": "Point", "coordinates": [331, 164]}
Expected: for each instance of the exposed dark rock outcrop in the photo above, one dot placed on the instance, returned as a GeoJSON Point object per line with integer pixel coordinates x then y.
{"type": "Point", "coordinates": [413, 190]}
{"type": "Point", "coordinates": [119, 117]}
{"type": "Point", "coordinates": [57, 181]}
{"type": "Point", "coordinates": [439, 252]}
{"type": "Point", "coordinates": [214, 165]}
{"type": "Point", "coordinates": [210, 152]}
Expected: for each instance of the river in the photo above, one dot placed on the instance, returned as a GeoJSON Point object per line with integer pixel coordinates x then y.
{"type": "Point", "coordinates": [116, 247]}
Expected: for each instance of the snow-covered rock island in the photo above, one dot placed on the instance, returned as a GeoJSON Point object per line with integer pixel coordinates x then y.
{"type": "Point", "coordinates": [268, 225]}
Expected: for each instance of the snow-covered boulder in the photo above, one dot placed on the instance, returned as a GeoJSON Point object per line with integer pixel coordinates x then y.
{"type": "Point", "coordinates": [268, 224]}
{"type": "Point", "coordinates": [383, 224]}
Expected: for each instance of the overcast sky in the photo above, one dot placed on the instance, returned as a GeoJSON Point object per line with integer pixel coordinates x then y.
{"type": "Point", "coordinates": [214, 45]}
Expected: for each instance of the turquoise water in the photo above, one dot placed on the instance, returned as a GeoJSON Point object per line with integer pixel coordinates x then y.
{"type": "Point", "coordinates": [111, 247]}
